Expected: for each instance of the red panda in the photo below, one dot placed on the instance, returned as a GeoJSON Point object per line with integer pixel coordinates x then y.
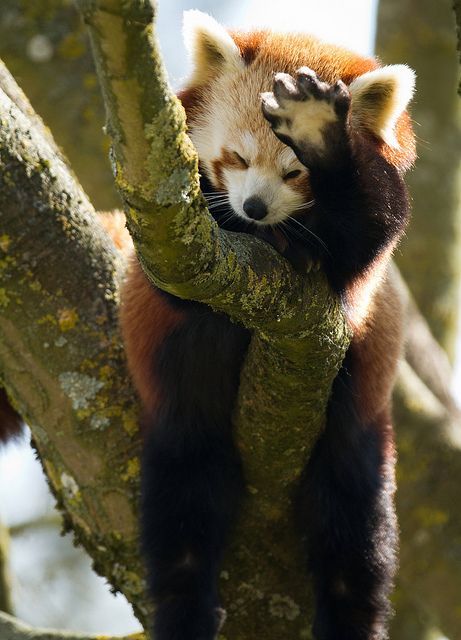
{"type": "Point", "coordinates": [303, 145]}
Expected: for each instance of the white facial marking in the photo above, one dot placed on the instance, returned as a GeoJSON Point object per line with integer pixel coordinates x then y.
{"type": "Point", "coordinates": [281, 199]}
{"type": "Point", "coordinates": [249, 146]}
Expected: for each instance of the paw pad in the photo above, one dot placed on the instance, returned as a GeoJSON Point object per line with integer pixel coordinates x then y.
{"type": "Point", "coordinates": [303, 112]}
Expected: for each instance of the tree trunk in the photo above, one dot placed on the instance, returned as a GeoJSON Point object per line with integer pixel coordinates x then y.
{"type": "Point", "coordinates": [427, 597]}
{"type": "Point", "coordinates": [422, 33]}
{"type": "Point", "coordinates": [61, 356]}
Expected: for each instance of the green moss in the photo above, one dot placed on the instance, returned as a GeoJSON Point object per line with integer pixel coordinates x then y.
{"type": "Point", "coordinates": [132, 470]}
{"type": "Point", "coordinates": [4, 298]}
{"type": "Point", "coordinates": [5, 242]}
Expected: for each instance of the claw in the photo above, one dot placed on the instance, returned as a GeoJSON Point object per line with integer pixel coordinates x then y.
{"type": "Point", "coordinates": [285, 87]}
{"type": "Point", "coordinates": [269, 103]}
{"type": "Point", "coordinates": [342, 97]}
{"type": "Point", "coordinates": [307, 79]}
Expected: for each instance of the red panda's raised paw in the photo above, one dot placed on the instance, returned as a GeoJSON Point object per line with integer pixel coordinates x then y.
{"type": "Point", "coordinates": [309, 116]}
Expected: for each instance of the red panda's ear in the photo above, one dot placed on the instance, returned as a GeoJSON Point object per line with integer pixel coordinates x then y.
{"type": "Point", "coordinates": [210, 46]}
{"type": "Point", "coordinates": [379, 97]}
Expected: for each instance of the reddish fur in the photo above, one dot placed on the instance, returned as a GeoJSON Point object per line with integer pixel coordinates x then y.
{"type": "Point", "coordinates": [146, 320]}
{"type": "Point", "coordinates": [377, 342]}
{"type": "Point", "coordinates": [288, 52]}
{"type": "Point", "coordinates": [229, 160]}
{"type": "Point", "coordinates": [375, 350]}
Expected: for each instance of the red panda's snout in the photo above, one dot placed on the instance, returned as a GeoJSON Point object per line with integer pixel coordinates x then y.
{"type": "Point", "coordinates": [265, 196]}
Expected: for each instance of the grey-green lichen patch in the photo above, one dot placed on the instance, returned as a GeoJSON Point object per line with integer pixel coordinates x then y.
{"type": "Point", "coordinates": [177, 182]}
{"type": "Point", "coordinates": [70, 487]}
{"type": "Point", "coordinates": [283, 607]}
{"type": "Point", "coordinates": [170, 170]}
{"type": "Point", "coordinates": [99, 421]}
{"type": "Point", "coordinates": [80, 388]}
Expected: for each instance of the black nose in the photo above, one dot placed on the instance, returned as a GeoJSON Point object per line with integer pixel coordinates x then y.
{"type": "Point", "coordinates": [255, 208]}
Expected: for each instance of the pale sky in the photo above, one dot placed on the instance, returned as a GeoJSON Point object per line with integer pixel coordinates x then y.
{"type": "Point", "coordinates": [351, 23]}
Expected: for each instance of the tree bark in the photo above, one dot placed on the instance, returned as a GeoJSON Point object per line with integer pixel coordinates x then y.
{"type": "Point", "coordinates": [457, 10]}
{"type": "Point", "coordinates": [61, 356]}
{"type": "Point", "coordinates": [44, 43]}
{"type": "Point", "coordinates": [429, 468]}
{"type": "Point", "coordinates": [428, 422]}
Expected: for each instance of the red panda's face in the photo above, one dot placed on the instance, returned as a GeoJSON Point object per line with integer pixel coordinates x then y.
{"type": "Point", "coordinates": [260, 178]}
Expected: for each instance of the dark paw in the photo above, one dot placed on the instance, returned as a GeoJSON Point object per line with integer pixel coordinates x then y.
{"type": "Point", "coordinates": [308, 115]}
{"type": "Point", "coordinates": [182, 618]}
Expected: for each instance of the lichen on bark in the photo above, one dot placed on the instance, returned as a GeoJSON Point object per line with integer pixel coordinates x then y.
{"type": "Point", "coordinates": [59, 335]}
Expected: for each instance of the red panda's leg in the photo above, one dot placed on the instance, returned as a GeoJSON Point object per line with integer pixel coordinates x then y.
{"type": "Point", "coordinates": [191, 487]}
{"type": "Point", "coordinates": [185, 361]}
{"type": "Point", "coordinates": [346, 497]}
{"type": "Point", "coordinates": [345, 503]}
{"type": "Point", "coordinates": [192, 477]}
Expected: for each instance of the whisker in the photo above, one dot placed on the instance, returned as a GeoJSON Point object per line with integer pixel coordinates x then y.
{"type": "Point", "coordinates": [214, 205]}
{"type": "Point", "coordinates": [319, 240]}
{"type": "Point", "coordinates": [217, 200]}
{"type": "Point", "coordinates": [304, 205]}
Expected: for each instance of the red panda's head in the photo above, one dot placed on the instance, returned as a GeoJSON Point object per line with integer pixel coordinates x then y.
{"type": "Point", "coordinates": [237, 149]}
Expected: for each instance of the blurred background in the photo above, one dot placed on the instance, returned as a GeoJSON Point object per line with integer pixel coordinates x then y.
{"type": "Point", "coordinates": [44, 45]}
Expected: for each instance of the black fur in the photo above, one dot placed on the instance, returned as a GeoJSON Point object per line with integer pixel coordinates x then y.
{"type": "Point", "coordinates": [192, 475]}
{"type": "Point", "coordinates": [192, 479]}
{"type": "Point", "coordinates": [361, 203]}
{"type": "Point", "coordinates": [344, 502]}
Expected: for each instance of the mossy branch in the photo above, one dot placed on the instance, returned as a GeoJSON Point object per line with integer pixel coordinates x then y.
{"type": "Point", "coordinates": [457, 10]}
{"type": "Point", "coordinates": [422, 33]}
{"type": "Point", "coordinates": [61, 357]}
{"type": "Point", "coordinates": [428, 474]}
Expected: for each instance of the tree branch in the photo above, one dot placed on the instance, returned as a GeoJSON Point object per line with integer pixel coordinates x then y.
{"type": "Point", "coordinates": [422, 33]}
{"type": "Point", "coordinates": [60, 350]}
{"type": "Point", "coordinates": [429, 468]}
{"type": "Point", "coordinates": [457, 10]}
{"type": "Point", "coordinates": [5, 586]}
{"type": "Point", "coordinates": [13, 629]}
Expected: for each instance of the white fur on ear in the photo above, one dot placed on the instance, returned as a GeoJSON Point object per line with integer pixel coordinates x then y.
{"type": "Point", "coordinates": [210, 46]}
{"type": "Point", "coordinates": [379, 97]}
